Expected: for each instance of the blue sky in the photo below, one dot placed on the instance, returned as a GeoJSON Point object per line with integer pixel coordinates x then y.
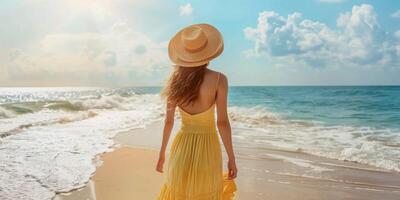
{"type": "Point", "coordinates": [123, 43]}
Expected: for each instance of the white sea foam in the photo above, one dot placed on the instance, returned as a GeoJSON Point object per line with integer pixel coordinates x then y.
{"type": "Point", "coordinates": [42, 160]}
{"type": "Point", "coordinates": [301, 163]}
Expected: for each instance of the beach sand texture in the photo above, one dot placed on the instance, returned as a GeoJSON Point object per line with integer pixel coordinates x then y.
{"type": "Point", "coordinates": [129, 173]}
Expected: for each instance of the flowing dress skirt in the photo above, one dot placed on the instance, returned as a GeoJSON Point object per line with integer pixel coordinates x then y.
{"type": "Point", "coordinates": [195, 169]}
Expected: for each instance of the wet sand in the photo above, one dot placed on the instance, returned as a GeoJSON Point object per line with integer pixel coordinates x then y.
{"type": "Point", "coordinates": [264, 173]}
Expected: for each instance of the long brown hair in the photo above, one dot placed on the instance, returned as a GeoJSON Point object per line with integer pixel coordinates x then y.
{"type": "Point", "coordinates": [184, 84]}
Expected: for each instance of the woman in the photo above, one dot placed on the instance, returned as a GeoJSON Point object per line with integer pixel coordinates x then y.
{"type": "Point", "coordinates": [195, 170]}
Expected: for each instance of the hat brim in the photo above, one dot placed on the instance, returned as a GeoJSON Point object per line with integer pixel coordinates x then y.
{"type": "Point", "coordinates": [182, 57]}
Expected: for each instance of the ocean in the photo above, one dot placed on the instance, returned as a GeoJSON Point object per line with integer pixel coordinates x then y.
{"type": "Point", "coordinates": [49, 137]}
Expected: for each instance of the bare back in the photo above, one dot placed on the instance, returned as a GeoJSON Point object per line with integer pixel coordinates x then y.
{"type": "Point", "coordinates": [214, 89]}
{"type": "Point", "coordinates": [207, 93]}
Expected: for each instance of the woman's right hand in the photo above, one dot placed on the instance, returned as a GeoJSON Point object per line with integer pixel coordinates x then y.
{"type": "Point", "coordinates": [160, 163]}
{"type": "Point", "coordinates": [232, 170]}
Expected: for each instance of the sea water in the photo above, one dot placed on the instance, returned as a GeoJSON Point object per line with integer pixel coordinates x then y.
{"type": "Point", "coordinates": [49, 137]}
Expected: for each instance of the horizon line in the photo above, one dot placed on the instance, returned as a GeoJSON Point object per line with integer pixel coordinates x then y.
{"type": "Point", "coordinates": [132, 86]}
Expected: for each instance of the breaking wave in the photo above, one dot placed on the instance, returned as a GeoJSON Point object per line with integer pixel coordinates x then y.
{"type": "Point", "coordinates": [51, 147]}
{"type": "Point", "coordinates": [367, 145]}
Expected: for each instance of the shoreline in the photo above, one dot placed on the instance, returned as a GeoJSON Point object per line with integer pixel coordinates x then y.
{"type": "Point", "coordinates": [107, 179]}
{"type": "Point", "coordinates": [266, 173]}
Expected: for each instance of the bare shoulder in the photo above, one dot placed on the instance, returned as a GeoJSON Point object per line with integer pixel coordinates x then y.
{"type": "Point", "coordinates": [223, 79]}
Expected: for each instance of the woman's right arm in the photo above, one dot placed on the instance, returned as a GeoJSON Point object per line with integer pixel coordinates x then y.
{"type": "Point", "coordinates": [223, 124]}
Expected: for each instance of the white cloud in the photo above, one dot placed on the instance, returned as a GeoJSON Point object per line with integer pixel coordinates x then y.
{"type": "Point", "coordinates": [396, 14]}
{"type": "Point", "coordinates": [358, 39]}
{"type": "Point", "coordinates": [186, 10]}
{"type": "Point", "coordinates": [332, 1]}
{"type": "Point", "coordinates": [111, 53]}
{"type": "Point", "coordinates": [80, 43]}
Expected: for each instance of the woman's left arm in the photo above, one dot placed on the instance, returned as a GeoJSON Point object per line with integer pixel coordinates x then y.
{"type": "Point", "coordinates": [168, 125]}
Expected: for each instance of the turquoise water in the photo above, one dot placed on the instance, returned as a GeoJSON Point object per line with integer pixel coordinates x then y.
{"type": "Point", "coordinates": [376, 106]}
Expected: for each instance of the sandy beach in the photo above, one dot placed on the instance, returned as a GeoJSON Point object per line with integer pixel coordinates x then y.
{"type": "Point", "coordinates": [269, 173]}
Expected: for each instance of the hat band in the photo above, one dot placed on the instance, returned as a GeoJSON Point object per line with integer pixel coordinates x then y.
{"type": "Point", "coordinates": [198, 48]}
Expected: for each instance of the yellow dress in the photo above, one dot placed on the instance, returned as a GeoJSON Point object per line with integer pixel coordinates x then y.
{"type": "Point", "coordinates": [195, 169]}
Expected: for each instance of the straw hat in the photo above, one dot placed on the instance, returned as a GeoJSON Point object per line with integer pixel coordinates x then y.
{"type": "Point", "coordinates": [195, 45]}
